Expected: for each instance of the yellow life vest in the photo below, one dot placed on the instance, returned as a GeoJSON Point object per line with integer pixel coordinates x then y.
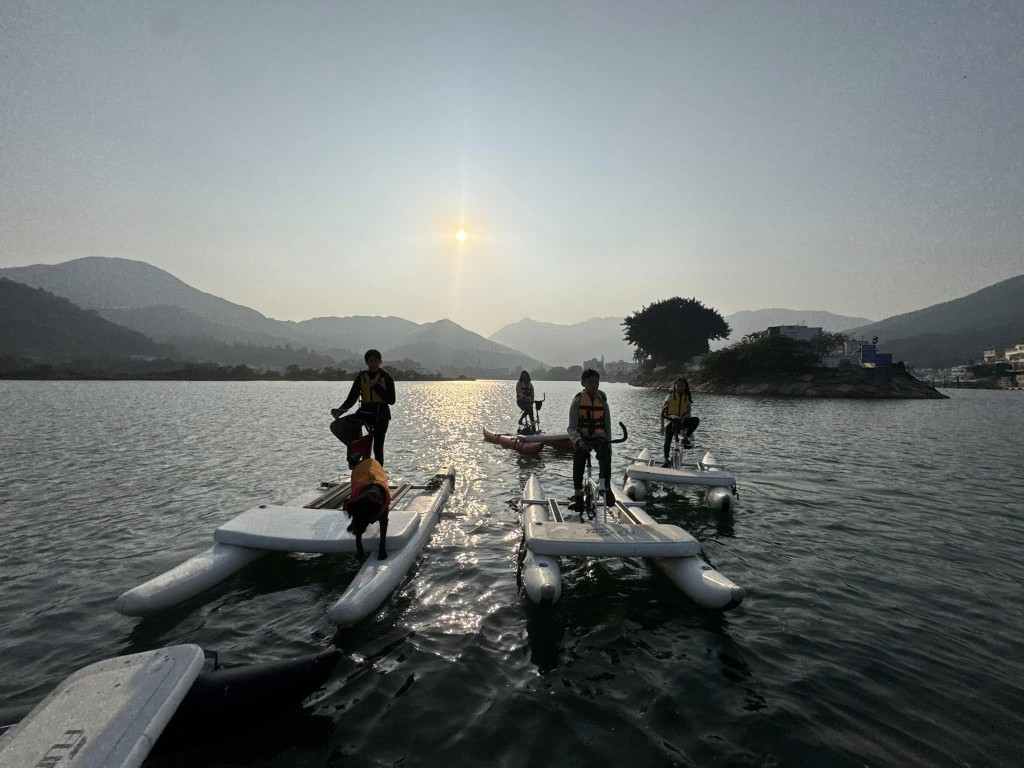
{"type": "Point", "coordinates": [366, 391]}
{"type": "Point", "coordinates": [678, 404]}
{"type": "Point", "coordinates": [369, 472]}
{"type": "Point", "coordinates": [591, 415]}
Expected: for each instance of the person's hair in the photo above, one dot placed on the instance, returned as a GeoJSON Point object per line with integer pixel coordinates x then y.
{"type": "Point", "coordinates": [369, 352]}
{"type": "Point", "coordinates": [524, 376]}
{"type": "Point", "coordinates": [588, 373]}
{"type": "Point", "coordinates": [686, 387]}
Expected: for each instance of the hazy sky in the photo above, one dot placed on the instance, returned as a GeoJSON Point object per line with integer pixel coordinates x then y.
{"type": "Point", "coordinates": [311, 159]}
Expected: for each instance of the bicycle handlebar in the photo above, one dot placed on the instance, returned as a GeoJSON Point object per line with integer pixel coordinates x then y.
{"type": "Point", "coordinates": [603, 439]}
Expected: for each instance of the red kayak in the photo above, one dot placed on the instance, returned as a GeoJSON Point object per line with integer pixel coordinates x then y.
{"type": "Point", "coordinates": [514, 442]}
{"type": "Point", "coordinates": [556, 440]}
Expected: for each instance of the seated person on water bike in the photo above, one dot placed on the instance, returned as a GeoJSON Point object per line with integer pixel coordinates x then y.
{"type": "Point", "coordinates": [375, 390]}
{"type": "Point", "coordinates": [677, 411]}
{"type": "Point", "coordinates": [524, 399]}
{"type": "Point", "coordinates": [590, 427]}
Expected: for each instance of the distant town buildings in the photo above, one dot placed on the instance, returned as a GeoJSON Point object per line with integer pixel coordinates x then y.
{"type": "Point", "coordinates": [620, 370]}
{"type": "Point", "coordinates": [859, 352]}
{"type": "Point", "coordinates": [1012, 356]}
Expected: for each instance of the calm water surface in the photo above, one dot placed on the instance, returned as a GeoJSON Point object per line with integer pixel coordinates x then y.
{"type": "Point", "coordinates": [879, 542]}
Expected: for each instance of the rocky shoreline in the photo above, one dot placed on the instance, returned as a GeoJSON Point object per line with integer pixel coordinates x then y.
{"type": "Point", "coordinates": [850, 382]}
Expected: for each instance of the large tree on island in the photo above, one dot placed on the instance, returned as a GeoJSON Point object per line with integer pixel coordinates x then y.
{"type": "Point", "coordinates": [672, 331]}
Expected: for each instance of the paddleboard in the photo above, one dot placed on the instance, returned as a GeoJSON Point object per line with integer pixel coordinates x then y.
{"type": "Point", "coordinates": [107, 715]}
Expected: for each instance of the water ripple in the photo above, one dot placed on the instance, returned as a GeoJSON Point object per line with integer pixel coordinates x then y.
{"type": "Point", "coordinates": [878, 541]}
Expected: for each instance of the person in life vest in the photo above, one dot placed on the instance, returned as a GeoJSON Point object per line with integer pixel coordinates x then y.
{"type": "Point", "coordinates": [524, 399]}
{"type": "Point", "coordinates": [370, 498]}
{"type": "Point", "coordinates": [677, 412]}
{"type": "Point", "coordinates": [590, 427]}
{"type": "Point", "coordinates": [375, 390]}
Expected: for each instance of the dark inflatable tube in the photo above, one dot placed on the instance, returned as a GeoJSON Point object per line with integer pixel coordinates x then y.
{"type": "Point", "coordinates": [229, 698]}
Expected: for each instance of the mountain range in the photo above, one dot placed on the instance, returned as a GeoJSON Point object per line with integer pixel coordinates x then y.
{"type": "Point", "coordinates": [169, 313]}
{"type": "Point", "coordinates": [954, 332]}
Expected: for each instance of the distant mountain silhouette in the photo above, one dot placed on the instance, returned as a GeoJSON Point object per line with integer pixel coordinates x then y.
{"type": "Point", "coordinates": [148, 299]}
{"type": "Point", "coordinates": [567, 344]}
{"type": "Point", "coordinates": [38, 325]}
{"type": "Point", "coordinates": [749, 321]}
{"type": "Point", "coordinates": [140, 296]}
{"type": "Point", "coordinates": [572, 344]}
{"type": "Point", "coordinates": [153, 302]}
{"type": "Point", "coordinates": [454, 349]}
{"type": "Point", "coordinates": [954, 332]}
{"type": "Point", "coordinates": [360, 332]}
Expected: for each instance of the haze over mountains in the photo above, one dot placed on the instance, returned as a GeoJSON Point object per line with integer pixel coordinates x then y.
{"type": "Point", "coordinates": [147, 300]}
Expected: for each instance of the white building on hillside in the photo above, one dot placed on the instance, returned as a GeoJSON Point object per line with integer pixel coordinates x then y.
{"type": "Point", "coordinates": [1015, 357]}
{"type": "Point", "coordinates": [798, 332]}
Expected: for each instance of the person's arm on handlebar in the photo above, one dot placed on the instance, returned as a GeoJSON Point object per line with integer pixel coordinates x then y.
{"type": "Point", "coordinates": [573, 430]}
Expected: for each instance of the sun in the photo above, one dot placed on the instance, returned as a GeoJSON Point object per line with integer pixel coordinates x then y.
{"type": "Point", "coordinates": [461, 235]}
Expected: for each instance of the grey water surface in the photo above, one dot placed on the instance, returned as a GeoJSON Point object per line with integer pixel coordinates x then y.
{"type": "Point", "coordinates": [880, 544]}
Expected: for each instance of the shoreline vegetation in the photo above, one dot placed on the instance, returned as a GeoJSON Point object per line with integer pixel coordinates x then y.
{"type": "Point", "coordinates": [779, 366]}
{"type": "Point", "coordinates": [176, 370]}
{"type": "Point", "coordinates": [14, 367]}
{"type": "Point", "coordinates": [845, 382]}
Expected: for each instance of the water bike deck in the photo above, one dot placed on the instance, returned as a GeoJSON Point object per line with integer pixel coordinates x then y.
{"type": "Point", "coordinates": [299, 529]}
{"type": "Point", "coordinates": [107, 715]}
{"type": "Point", "coordinates": [626, 536]}
{"type": "Point", "coordinates": [672, 476]}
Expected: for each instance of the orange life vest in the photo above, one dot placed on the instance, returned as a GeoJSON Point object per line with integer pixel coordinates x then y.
{"type": "Point", "coordinates": [591, 415]}
{"type": "Point", "coordinates": [369, 472]}
{"type": "Point", "coordinates": [678, 404]}
{"type": "Point", "coordinates": [366, 391]}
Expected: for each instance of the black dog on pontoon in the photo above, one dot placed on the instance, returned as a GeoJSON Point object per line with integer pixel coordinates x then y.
{"type": "Point", "coordinates": [370, 496]}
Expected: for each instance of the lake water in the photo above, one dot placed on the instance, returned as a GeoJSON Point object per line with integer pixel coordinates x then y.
{"type": "Point", "coordinates": [880, 544]}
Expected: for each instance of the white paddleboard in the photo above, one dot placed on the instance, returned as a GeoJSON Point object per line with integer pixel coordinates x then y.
{"type": "Point", "coordinates": [297, 529]}
{"type": "Point", "coordinates": [610, 540]}
{"type": "Point", "coordinates": [107, 715]}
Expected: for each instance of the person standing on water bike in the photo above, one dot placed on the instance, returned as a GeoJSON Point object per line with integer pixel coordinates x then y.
{"type": "Point", "coordinates": [677, 411]}
{"type": "Point", "coordinates": [375, 390]}
{"type": "Point", "coordinates": [590, 427]}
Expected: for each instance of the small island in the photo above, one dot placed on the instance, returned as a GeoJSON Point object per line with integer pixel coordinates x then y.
{"type": "Point", "coordinates": [782, 361]}
{"type": "Point", "coordinates": [848, 381]}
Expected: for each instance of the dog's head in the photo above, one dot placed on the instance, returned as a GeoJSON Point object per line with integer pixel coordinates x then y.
{"type": "Point", "coordinates": [366, 509]}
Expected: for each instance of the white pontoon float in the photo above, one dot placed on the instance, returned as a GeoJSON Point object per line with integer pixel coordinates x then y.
{"type": "Point", "coordinates": [620, 530]}
{"type": "Point", "coordinates": [719, 486]}
{"type": "Point", "coordinates": [312, 522]}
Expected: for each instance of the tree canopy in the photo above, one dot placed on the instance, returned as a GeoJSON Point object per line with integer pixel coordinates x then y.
{"type": "Point", "coordinates": [765, 355]}
{"type": "Point", "coordinates": [673, 331]}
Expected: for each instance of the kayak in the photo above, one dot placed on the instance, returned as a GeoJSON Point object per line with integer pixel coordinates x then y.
{"type": "Point", "coordinates": [312, 522]}
{"type": "Point", "coordinates": [624, 530]}
{"type": "Point", "coordinates": [555, 440]}
{"type": "Point", "coordinates": [513, 442]}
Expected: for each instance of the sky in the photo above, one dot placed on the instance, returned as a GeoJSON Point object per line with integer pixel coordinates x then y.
{"type": "Point", "coordinates": [311, 159]}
